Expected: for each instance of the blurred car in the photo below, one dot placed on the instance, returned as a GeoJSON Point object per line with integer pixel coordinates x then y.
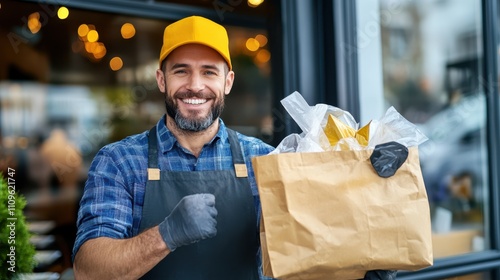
{"type": "Point", "coordinates": [454, 159]}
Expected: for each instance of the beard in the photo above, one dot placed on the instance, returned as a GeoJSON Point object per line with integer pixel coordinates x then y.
{"type": "Point", "coordinates": [193, 123]}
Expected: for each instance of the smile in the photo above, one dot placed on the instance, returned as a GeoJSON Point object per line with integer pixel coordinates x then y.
{"type": "Point", "coordinates": [194, 101]}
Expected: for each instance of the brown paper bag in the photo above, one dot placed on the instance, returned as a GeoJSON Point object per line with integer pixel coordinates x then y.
{"type": "Point", "coordinates": [328, 215]}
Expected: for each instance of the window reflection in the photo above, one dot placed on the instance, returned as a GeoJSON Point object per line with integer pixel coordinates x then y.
{"type": "Point", "coordinates": [431, 75]}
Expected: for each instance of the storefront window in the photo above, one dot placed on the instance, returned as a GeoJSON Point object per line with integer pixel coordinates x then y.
{"type": "Point", "coordinates": [425, 59]}
{"type": "Point", "coordinates": [71, 83]}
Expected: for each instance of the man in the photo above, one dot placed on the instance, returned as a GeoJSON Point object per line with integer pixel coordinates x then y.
{"type": "Point", "coordinates": [152, 197]}
{"type": "Point", "coordinates": [179, 201]}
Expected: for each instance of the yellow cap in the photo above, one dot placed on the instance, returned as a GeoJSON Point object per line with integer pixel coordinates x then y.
{"type": "Point", "coordinates": [195, 30]}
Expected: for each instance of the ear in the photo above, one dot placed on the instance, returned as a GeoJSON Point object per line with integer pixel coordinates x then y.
{"type": "Point", "coordinates": [160, 80]}
{"type": "Point", "coordinates": [229, 82]}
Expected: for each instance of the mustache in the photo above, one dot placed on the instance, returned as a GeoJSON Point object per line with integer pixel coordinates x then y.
{"type": "Point", "coordinates": [191, 94]}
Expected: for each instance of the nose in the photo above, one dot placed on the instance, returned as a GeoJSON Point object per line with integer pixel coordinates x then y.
{"type": "Point", "coordinates": [195, 83]}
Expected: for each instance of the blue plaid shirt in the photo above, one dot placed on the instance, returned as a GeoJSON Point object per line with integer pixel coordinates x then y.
{"type": "Point", "coordinates": [111, 205]}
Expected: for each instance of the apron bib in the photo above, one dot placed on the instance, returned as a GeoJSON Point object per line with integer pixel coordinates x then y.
{"type": "Point", "coordinates": [231, 254]}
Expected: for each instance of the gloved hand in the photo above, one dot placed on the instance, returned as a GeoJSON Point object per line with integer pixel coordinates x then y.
{"type": "Point", "coordinates": [381, 275]}
{"type": "Point", "coordinates": [191, 220]}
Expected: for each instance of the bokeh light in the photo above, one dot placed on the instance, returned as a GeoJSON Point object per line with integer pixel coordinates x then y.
{"type": "Point", "coordinates": [34, 24]}
{"type": "Point", "coordinates": [99, 51]}
{"type": "Point", "coordinates": [252, 44]}
{"type": "Point", "coordinates": [83, 30]}
{"type": "Point", "coordinates": [127, 31]}
{"type": "Point", "coordinates": [92, 36]}
{"type": "Point", "coordinates": [263, 56]}
{"type": "Point", "coordinates": [116, 63]}
{"type": "Point", "coordinates": [262, 40]}
{"type": "Point", "coordinates": [254, 3]}
{"type": "Point", "coordinates": [63, 13]}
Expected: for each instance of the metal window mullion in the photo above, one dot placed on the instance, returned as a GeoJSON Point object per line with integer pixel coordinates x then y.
{"type": "Point", "coordinates": [489, 81]}
{"type": "Point", "coordinates": [346, 56]}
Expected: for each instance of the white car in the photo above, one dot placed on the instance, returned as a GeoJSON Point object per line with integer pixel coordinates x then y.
{"type": "Point", "coordinates": [456, 149]}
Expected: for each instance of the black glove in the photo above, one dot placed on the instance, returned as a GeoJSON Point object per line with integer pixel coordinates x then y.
{"type": "Point", "coordinates": [387, 158]}
{"type": "Point", "coordinates": [192, 220]}
{"type": "Point", "coordinates": [381, 275]}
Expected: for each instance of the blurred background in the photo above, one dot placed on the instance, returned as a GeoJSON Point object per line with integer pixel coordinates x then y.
{"type": "Point", "coordinates": [76, 75]}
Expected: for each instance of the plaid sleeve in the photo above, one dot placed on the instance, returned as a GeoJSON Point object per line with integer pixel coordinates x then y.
{"type": "Point", "coordinates": [106, 205]}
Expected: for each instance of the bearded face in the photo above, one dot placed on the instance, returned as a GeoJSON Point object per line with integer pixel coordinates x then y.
{"type": "Point", "coordinates": [195, 80]}
{"type": "Point", "coordinates": [194, 120]}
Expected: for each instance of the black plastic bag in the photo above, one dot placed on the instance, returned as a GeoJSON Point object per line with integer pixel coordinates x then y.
{"type": "Point", "coordinates": [387, 158]}
{"type": "Point", "coordinates": [381, 275]}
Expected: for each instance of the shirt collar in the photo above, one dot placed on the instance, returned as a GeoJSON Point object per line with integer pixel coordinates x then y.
{"type": "Point", "coordinates": [167, 140]}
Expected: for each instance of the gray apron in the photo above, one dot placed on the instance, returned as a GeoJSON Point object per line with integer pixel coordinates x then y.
{"type": "Point", "coordinates": [231, 254]}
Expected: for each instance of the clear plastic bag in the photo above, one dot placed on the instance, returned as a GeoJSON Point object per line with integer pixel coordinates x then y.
{"type": "Point", "coordinates": [313, 120]}
{"type": "Point", "coordinates": [394, 127]}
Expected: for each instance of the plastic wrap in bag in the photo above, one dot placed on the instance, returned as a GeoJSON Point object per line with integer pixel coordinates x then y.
{"type": "Point", "coordinates": [313, 120]}
{"type": "Point", "coordinates": [394, 127]}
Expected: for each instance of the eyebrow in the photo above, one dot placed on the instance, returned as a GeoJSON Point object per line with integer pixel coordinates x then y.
{"type": "Point", "coordinates": [211, 67]}
{"type": "Point", "coordinates": [185, 65]}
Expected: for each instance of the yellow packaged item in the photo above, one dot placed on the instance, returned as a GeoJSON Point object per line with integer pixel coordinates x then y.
{"type": "Point", "coordinates": [363, 135]}
{"type": "Point", "coordinates": [336, 130]}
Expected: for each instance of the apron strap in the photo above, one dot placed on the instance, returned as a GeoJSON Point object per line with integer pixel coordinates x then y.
{"type": "Point", "coordinates": [153, 167]}
{"type": "Point", "coordinates": [239, 162]}
{"type": "Point", "coordinates": [153, 149]}
{"type": "Point", "coordinates": [235, 146]}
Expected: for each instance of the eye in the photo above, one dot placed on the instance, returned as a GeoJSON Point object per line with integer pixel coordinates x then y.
{"type": "Point", "coordinates": [210, 73]}
{"type": "Point", "coordinates": [180, 71]}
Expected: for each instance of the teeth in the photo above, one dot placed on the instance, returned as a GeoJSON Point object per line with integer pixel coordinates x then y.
{"type": "Point", "coordinates": [194, 101]}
